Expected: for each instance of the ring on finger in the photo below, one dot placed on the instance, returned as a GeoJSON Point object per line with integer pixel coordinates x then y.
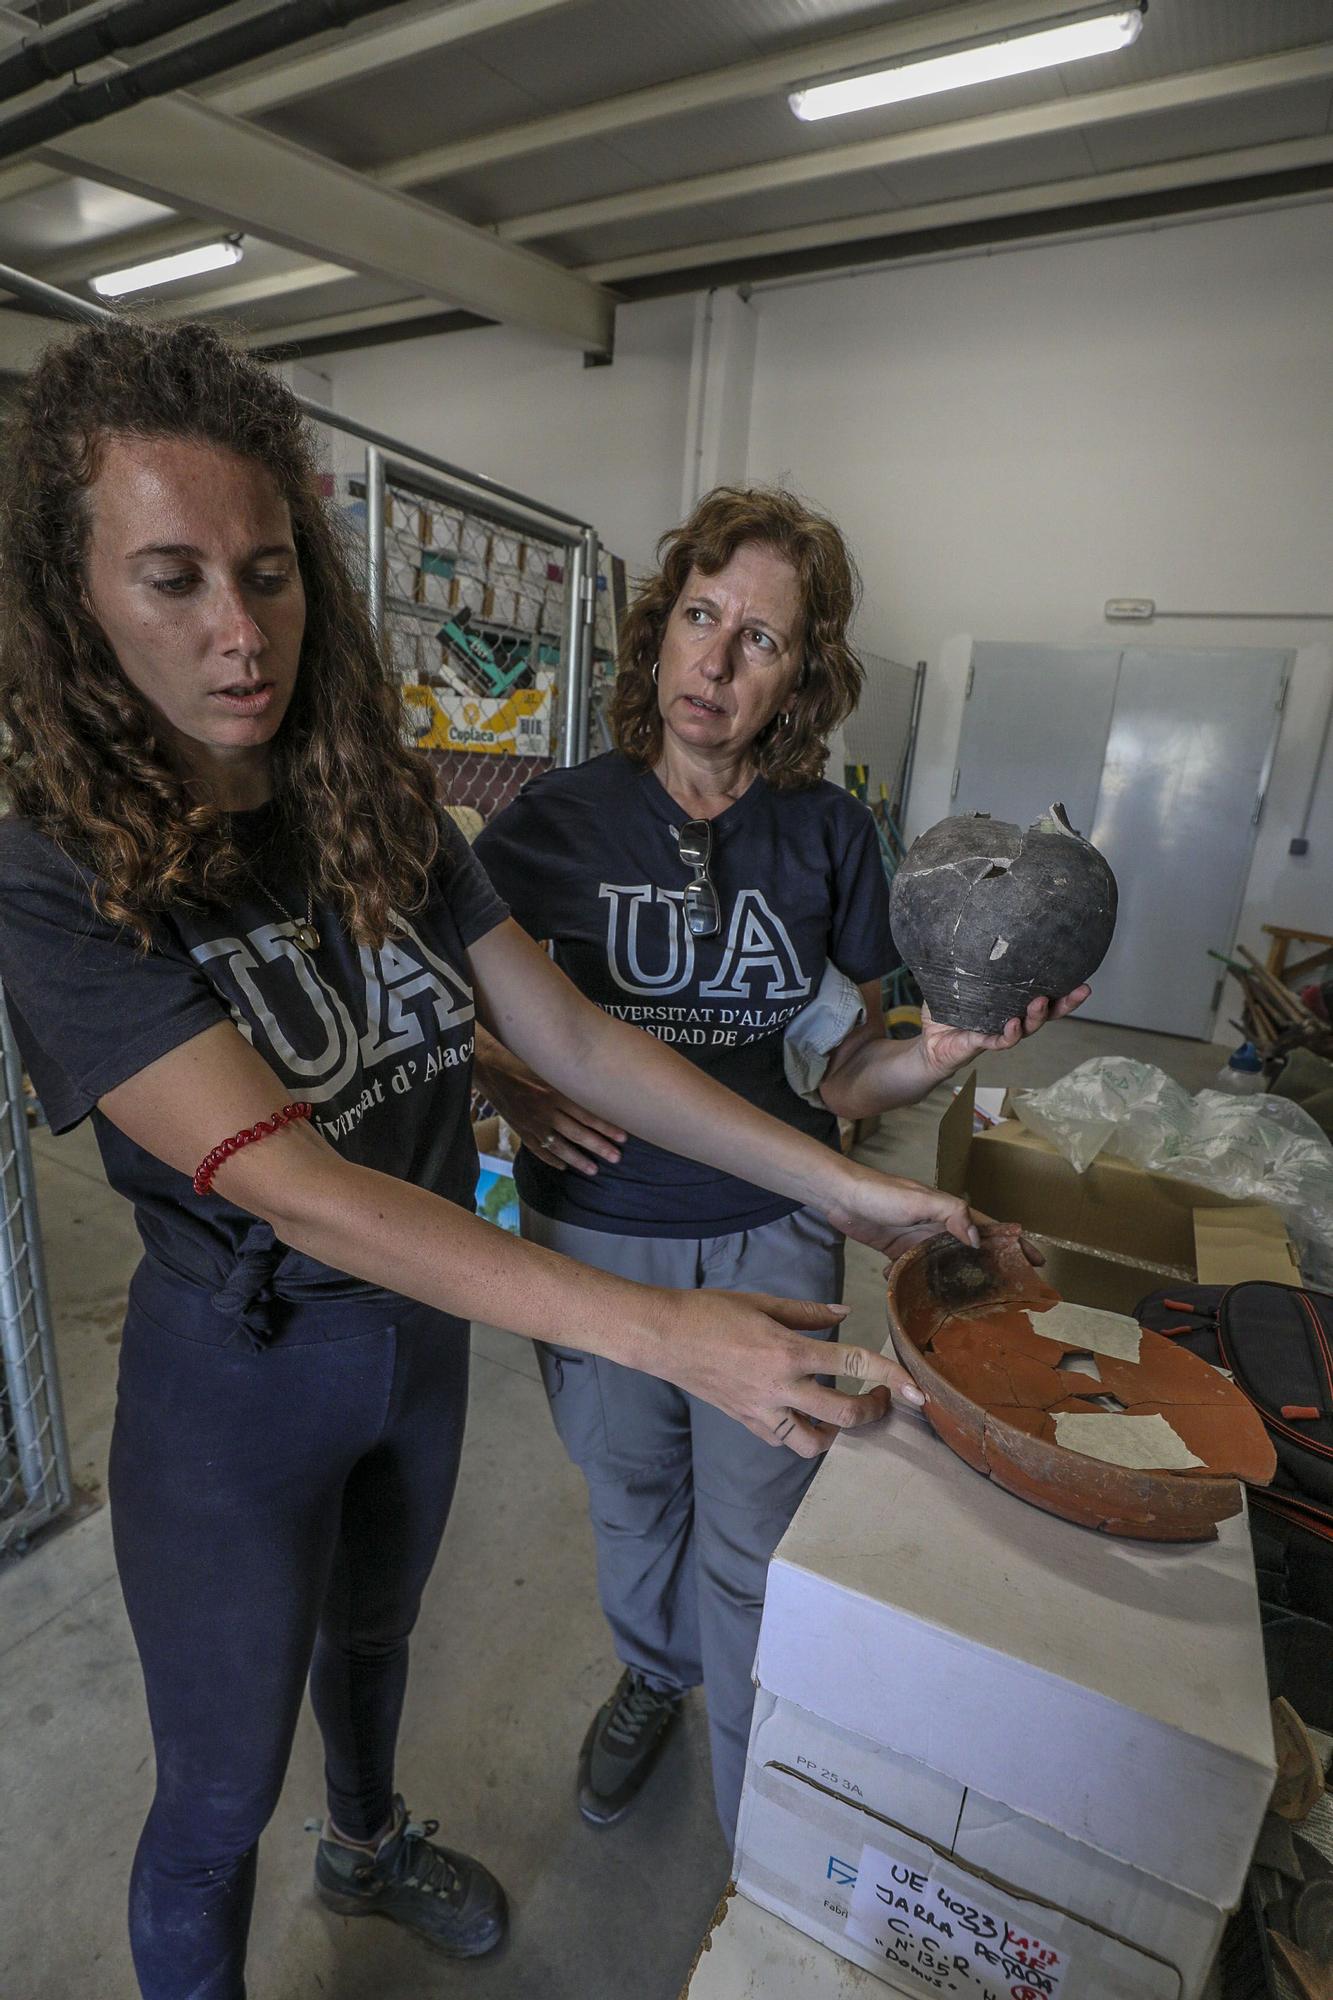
{"type": "Point", "coordinates": [550, 1140]}
{"type": "Point", "coordinates": [784, 1427]}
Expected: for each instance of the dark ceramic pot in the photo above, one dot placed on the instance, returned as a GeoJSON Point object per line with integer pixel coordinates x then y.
{"type": "Point", "coordinates": [990, 916]}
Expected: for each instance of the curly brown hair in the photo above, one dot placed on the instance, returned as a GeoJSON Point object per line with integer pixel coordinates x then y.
{"type": "Point", "coordinates": [82, 756]}
{"type": "Point", "coordinates": [788, 754]}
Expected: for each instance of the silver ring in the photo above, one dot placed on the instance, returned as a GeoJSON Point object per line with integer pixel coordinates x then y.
{"type": "Point", "coordinates": [549, 1141]}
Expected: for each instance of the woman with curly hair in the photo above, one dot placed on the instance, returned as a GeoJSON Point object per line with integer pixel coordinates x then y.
{"type": "Point", "coordinates": [237, 931]}
{"type": "Point", "coordinates": [704, 882]}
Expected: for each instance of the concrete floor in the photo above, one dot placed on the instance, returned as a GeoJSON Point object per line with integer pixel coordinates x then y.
{"type": "Point", "coordinates": [510, 1658]}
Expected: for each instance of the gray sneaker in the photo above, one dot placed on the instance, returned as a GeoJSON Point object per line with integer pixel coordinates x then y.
{"type": "Point", "coordinates": [621, 1747]}
{"type": "Point", "coordinates": [446, 1898]}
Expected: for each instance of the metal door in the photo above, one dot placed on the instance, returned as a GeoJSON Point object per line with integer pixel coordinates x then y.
{"type": "Point", "coordinates": [1034, 731]}
{"type": "Point", "coordinates": [1187, 762]}
{"type": "Point", "coordinates": [1162, 758]}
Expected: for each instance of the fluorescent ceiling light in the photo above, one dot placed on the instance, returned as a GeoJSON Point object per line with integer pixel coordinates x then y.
{"type": "Point", "coordinates": [983, 62]}
{"type": "Point", "coordinates": [164, 270]}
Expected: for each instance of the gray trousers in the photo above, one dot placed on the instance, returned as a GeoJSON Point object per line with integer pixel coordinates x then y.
{"type": "Point", "coordinates": [687, 1506]}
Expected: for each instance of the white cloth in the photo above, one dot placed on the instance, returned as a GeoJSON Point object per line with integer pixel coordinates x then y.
{"type": "Point", "coordinates": [811, 1038]}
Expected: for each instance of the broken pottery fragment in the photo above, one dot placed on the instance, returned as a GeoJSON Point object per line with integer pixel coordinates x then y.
{"type": "Point", "coordinates": [1097, 1421]}
{"type": "Point", "coordinates": [989, 915]}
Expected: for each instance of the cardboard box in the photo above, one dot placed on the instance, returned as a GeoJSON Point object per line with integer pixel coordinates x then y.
{"type": "Point", "coordinates": [793, 1748]}
{"type": "Point", "coordinates": [1114, 1232]}
{"type": "Point", "coordinates": [432, 584]}
{"type": "Point", "coordinates": [1065, 1732]}
{"type": "Point", "coordinates": [917, 1921]}
{"type": "Point", "coordinates": [551, 618]}
{"type": "Point", "coordinates": [749, 1954]}
{"type": "Point", "coordinates": [527, 613]}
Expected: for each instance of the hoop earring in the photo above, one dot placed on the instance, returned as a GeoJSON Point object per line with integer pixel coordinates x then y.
{"type": "Point", "coordinates": [656, 665]}
{"type": "Point", "coordinates": [785, 719]}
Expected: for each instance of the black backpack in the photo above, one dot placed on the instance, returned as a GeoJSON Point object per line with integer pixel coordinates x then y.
{"type": "Point", "coordinates": [1277, 1342]}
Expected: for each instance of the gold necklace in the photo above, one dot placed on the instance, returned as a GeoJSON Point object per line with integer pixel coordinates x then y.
{"type": "Point", "coordinates": [304, 935]}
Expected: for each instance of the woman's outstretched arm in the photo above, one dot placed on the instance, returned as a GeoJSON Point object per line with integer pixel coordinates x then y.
{"type": "Point", "coordinates": [630, 1078]}
{"type": "Point", "coordinates": [747, 1354]}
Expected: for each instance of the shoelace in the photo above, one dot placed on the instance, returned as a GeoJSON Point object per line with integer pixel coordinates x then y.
{"type": "Point", "coordinates": [636, 1708]}
{"type": "Point", "coordinates": [418, 1865]}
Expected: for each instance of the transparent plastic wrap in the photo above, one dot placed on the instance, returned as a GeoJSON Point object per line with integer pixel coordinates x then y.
{"type": "Point", "coordinates": [1253, 1148]}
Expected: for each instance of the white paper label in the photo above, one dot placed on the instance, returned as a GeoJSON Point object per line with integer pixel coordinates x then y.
{"type": "Point", "coordinates": [928, 1924]}
{"type": "Point", "coordinates": [1088, 1326]}
{"type": "Point", "coordinates": [1146, 1443]}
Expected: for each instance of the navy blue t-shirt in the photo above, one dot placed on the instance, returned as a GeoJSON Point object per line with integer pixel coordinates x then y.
{"type": "Point", "coordinates": [587, 858]}
{"type": "Point", "coordinates": [380, 1042]}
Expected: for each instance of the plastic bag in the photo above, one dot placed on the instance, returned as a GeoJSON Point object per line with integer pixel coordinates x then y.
{"type": "Point", "coordinates": [1252, 1148]}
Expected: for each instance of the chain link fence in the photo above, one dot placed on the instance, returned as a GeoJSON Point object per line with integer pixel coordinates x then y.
{"type": "Point", "coordinates": [499, 621]}
{"type": "Point", "coordinates": [476, 611]}
{"type": "Point", "coordinates": [495, 610]}
{"type": "Point", "coordinates": [500, 613]}
{"type": "Point", "coordinates": [34, 1455]}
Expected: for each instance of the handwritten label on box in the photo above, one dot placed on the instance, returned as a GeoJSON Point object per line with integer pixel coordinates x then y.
{"type": "Point", "coordinates": [929, 1925]}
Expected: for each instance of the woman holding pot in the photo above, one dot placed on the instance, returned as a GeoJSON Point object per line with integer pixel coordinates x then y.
{"type": "Point", "coordinates": [704, 883]}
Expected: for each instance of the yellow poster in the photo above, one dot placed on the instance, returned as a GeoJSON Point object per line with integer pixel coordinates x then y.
{"type": "Point", "coordinates": [517, 724]}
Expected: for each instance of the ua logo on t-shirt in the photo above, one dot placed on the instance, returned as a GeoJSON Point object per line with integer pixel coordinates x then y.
{"type": "Point", "coordinates": [758, 961]}
{"type": "Point", "coordinates": [280, 994]}
{"type": "Point", "coordinates": [393, 975]}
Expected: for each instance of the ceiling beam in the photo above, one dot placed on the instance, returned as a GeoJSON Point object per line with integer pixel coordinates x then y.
{"type": "Point", "coordinates": [1100, 107]}
{"type": "Point", "coordinates": [332, 59]}
{"type": "Point", "coordinates": [250, 291]}
{"type": "Point", "coordinates": [1281, 156]}
{"type": "Point", "coordinates": [755, 78]}
{"type": "Point", "coordinates": [344, 59]}
{"type": "Point", "coordinates": [344, 324]}
{"type": "Point", "coordinates": [705, 258]}
{"type": "Point", "coordinates": [1253, 178]}
{"type": "Point", "coordinates": [285, 343]}
{"type": "Point", "coordinates": [178, 151]}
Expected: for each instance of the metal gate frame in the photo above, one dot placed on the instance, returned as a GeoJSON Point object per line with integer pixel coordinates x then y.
{"type": "Point", "coordinates": [35, 1480]}
{"type": "Point", "coordinates": [508, 508]}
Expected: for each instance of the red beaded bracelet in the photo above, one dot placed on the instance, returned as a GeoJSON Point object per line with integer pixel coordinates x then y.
{"type": "Point", "coordinates": [288, 1114]}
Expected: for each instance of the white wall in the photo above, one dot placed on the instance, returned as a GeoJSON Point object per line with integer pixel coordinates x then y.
{"type": "Point", "coordinates": [717, 424]}
{"type": "Point", "coordinates": [603, 443]}
{"type": "Point", "coordinates": [1010, 440]}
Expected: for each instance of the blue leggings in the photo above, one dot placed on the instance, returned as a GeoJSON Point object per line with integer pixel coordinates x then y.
{"type": "Point", "coordinates": [276, 1511]}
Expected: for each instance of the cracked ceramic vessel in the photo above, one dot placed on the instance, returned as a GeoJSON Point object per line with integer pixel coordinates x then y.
{"type": "Point", "coordinates": [990, 916]}
{"type": "Point", "coordinates": [966, 1326]}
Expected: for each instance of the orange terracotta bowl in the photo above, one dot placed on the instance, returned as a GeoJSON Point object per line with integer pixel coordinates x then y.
{"type": "Point", "coordinates": [966, 1326]}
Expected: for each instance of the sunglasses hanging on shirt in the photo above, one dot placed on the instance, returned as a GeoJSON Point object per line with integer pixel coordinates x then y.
{"type": "Point", "coordinates": [703, 911]}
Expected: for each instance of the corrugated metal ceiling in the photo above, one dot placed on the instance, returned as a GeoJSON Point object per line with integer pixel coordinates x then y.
{"type": "Point", "coordinates": [564, 58]}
